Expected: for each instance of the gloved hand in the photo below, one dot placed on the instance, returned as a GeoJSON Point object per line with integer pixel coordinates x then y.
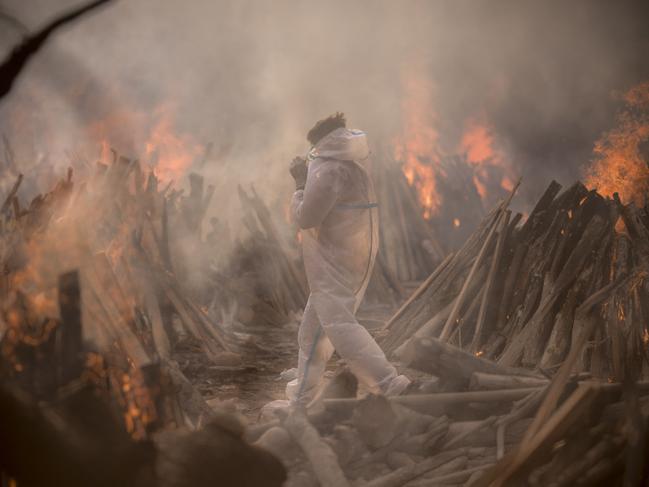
{"type": "Point", "coordinates": [298, 170]}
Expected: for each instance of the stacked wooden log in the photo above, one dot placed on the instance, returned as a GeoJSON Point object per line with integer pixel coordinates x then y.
{"type": "Point", "coordinates": [113, 230]}
{"type": "Point", "coordinates": [515, 292]}
{"type": "Point", "coordinates": [408, 248]}
{"type": "Point", "coordinates": [87, 413]}
{"type": "Point", "coordinates": [263, 281]}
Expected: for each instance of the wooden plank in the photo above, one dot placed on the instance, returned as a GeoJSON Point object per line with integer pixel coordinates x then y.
{"type": "Point", "coordinates": [450, 322]}
{"type": "Point", "coordinates": [476, 343]}
{"type": "Point", "coordinates": [450, 363]}
{"type": "Point", "coordinates": [440, 403]}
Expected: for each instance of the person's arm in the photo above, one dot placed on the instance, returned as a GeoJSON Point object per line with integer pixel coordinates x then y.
{"type": "Point", "coordinates": [311, 205]}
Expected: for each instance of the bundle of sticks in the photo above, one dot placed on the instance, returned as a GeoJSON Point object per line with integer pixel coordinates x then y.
{"type": "Point", "coordinates": [73, 416]}
{"type": "Point", "coordinates": [409, 249]}
{"type": "Point", "coordinates": [263, 281]}
{"type": "Point", "coordinates": [109, 239]}
{"type": "Point", "coordinates": [515, 292]}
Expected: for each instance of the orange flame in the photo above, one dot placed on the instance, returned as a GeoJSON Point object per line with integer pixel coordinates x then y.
{"type": "Point", "coordinates": [417, 147]}
{"type": "Point", "coordinates": [168, 151]}
{"type": "Point", "coordinates": [481, 149]}
{"type": "Point", "coordinates": [618, 164]}
{"type": "Point", "coordinates": [171, 154]}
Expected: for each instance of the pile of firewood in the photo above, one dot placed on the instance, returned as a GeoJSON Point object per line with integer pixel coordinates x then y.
{"type": "Point", "coordinates": [263, 281]}
{"type": "Point", "coordinates": [113, 232]}
{"type": "Point", "coordinates": [71, 416]}
{"type": "Point", "coordinates": [408, 248]}
{"type": "Point", "coordinates": [521, 294]}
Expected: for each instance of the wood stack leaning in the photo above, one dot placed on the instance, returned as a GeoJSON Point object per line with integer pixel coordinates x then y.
{"type": "Point", "coordinates": [514, 292]}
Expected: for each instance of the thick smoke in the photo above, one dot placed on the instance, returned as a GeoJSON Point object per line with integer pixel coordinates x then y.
{"type": "Point", "coordinates": [252, 76]}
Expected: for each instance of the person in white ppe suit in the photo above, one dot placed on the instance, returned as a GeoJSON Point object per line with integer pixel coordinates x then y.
{"type": "Point", "coordinates": [335, 206]}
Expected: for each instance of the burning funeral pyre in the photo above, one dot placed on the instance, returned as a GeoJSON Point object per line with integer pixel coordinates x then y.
{"type": "Point", "coordinates": [96, 343]}
{"type": "Point", "coordinates": [532, 330]}
{"type": "Point", "coordinates": [527, 338]}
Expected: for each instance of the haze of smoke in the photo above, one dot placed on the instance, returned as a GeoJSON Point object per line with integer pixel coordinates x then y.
{"type": "Point", "coordinates": [252, 76]}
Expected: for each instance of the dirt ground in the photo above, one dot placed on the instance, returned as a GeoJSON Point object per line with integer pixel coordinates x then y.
{"type": "Point", "coordinates": [248, 386]}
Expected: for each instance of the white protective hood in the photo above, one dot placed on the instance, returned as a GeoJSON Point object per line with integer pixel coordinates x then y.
{"type": "Point", "coordinates": [342, 144]}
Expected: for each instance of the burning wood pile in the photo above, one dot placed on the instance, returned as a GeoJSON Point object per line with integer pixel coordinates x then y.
{"type": "Point", "coordinates": [121, 312]}
{"type": "Point", "coordinates": [408, 249]}
{"type": "Point", "coordinates": [514, 292]}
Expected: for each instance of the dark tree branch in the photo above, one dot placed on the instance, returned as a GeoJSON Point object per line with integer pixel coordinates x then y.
{"type": "Point", "coordinates": [13, 65]}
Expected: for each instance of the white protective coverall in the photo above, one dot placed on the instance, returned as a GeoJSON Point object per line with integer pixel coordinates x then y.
{"type": "Point", "coordinates": [338, 214]}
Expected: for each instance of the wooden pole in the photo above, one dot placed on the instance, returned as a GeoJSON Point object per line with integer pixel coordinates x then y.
{"type": "Point", "coordinates": [452, 318]}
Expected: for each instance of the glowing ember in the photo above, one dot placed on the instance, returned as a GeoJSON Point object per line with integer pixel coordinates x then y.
{"type": "Point", "coordinates": [479, 353]}
{"type": "Point", "coordinates": [619, 165]}
{"type": "Point", "coordinates": [417, 148]}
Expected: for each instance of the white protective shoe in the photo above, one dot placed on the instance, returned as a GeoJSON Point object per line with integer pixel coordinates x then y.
{"type": "Point", "coordinates": [397, 386]}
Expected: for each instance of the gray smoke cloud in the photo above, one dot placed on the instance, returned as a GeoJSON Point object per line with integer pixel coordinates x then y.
{"type": "Point", "coordinates": [252, 76]}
